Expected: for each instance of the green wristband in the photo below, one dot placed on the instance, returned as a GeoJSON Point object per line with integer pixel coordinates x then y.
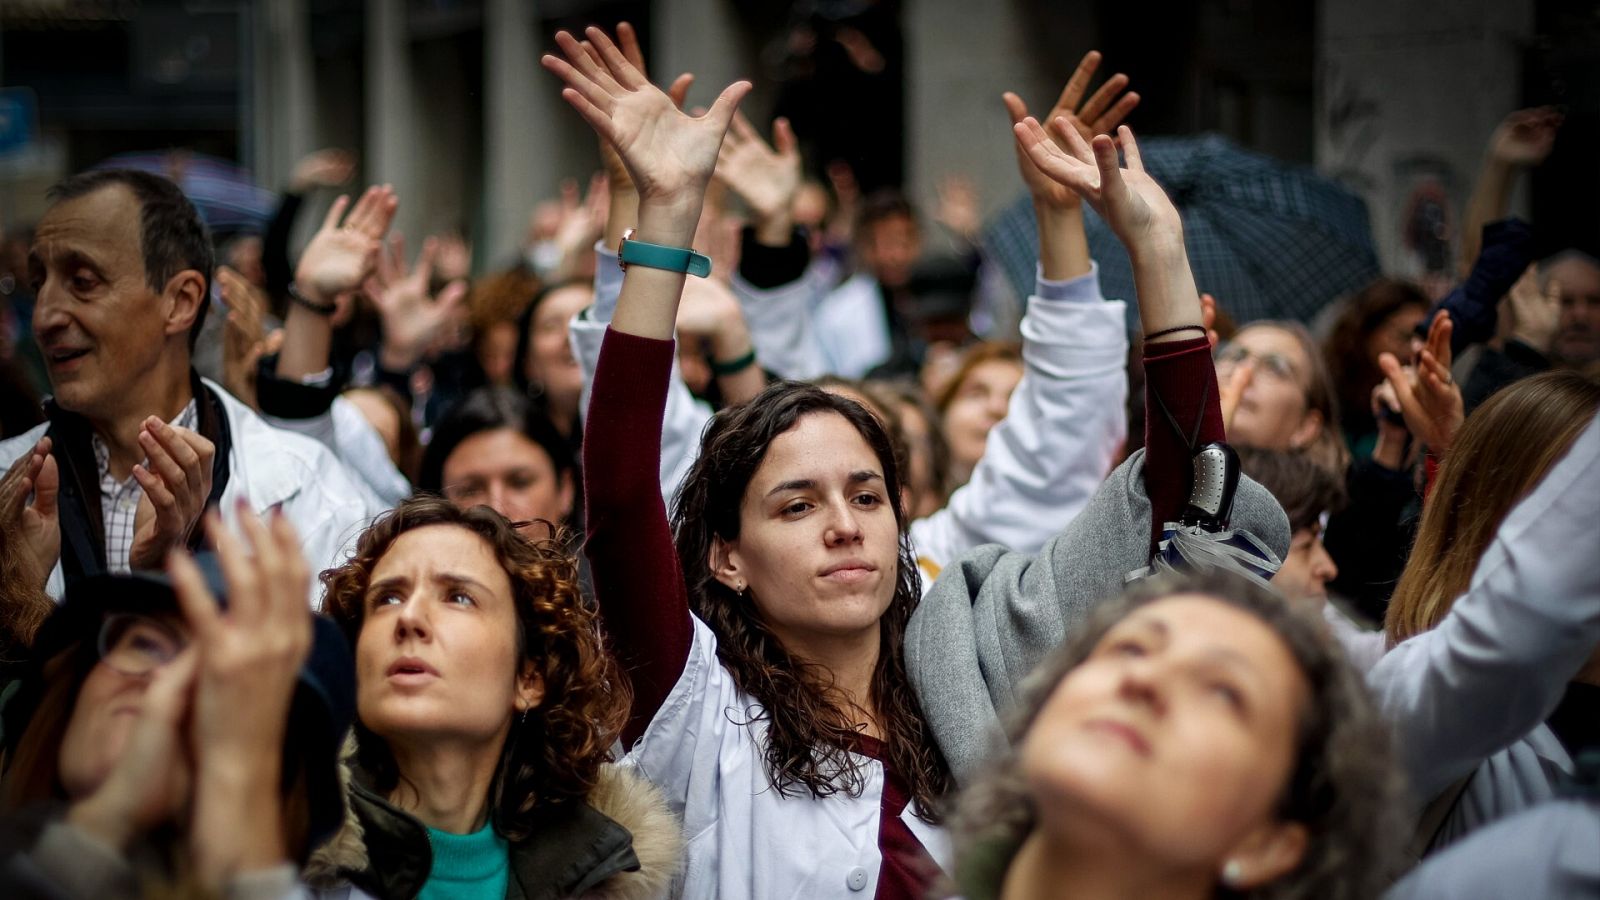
{"type": "Point", "coordinates": [734, 366]}
{"type": "Point", "coordinates": [655, 256]}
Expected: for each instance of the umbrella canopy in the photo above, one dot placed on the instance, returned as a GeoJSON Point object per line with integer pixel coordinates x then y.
{"type": "Point", "coordinates": [1268, 239]}
{"type": "Point", "coordinates": [225, 195]}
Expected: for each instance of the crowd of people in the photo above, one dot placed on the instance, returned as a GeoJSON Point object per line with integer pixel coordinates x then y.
{"type": "Point", "coordinates": [728, 544]}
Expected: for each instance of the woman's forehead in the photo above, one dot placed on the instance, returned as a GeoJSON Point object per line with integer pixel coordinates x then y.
{"type": "Point", "coordinates": [821, 446]}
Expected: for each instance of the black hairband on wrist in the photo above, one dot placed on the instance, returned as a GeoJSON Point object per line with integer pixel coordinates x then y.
{"type": "Point", "coordinates": [321, 309]}
{"type": "Point", "coordinates": [1174, 330]}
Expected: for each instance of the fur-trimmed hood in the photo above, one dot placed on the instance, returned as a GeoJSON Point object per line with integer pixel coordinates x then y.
{"type": "Point", "coordinates": [645, 866]}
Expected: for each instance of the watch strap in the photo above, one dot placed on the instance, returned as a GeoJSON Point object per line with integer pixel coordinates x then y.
{"type": "Point", "coordinates": [656, 256]}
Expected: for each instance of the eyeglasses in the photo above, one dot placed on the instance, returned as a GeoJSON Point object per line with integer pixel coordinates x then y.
{"type": "Point", "coordinates": [131, 644]}
{"type": "Point", "coordinates": [1273, 365]}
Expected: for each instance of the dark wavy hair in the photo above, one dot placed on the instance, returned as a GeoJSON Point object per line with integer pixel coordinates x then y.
{"type": "Point", "coordinates": [1345, 351]}
{"type": "Point", "coordinates": [491, 409]}
{"type": "Point", "coordinates": [1345, 787]}
{"type": "Point", "coordinates": [553, 755]}
{"type": "Point", "coordinates": [809, 734]}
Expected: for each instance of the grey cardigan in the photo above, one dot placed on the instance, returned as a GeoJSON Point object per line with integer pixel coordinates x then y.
{"type": "Point", "coordinates": [1469, 697]}
{"type": "Point", "coordinates": [993, 615]}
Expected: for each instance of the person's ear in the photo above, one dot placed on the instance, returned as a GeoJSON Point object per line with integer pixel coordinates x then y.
{"type": "Point", "coordinates": [1265, 855]}
{"type": "Point", "coordinates": [725, 565]}
{"type": "Point", "coordinates": [183, 298]}
{"type": "Point", "coordinates": [1309, 429]}
{"type": "Point", "coordinates": [530, 689]}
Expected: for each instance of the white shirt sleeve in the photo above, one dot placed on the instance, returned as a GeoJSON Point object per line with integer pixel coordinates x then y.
{"type": "Point", "coordinates": [684, 418]}
{"type": "Point", "coordinates": [781, 325]}
{"type": "Point", "coordinates": [1066, 421]}
{"type": "Point", "coordinates": [1499, 662]}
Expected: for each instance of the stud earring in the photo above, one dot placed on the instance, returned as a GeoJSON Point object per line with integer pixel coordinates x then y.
{"type": "Point", "coordinates": [1232, 873]}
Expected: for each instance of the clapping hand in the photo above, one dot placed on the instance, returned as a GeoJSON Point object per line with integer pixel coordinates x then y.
{"type": "Point", "coordinates": [176, 478]}
{"type": "Point", "coordinates": [36, 522]}
{"type": "Point", "coordinates": [1428, 396]}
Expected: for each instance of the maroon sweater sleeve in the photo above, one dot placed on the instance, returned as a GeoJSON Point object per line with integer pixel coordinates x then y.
{"type": "Point", "coordinates": [1179, 377]}
{"type": "Point", "coordinates": [637, 581]}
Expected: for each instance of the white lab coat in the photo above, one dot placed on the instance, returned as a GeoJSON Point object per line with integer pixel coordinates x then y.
{"type": "Point", "coordinates": [706, 750]}
{"type": "Point", "coordinates": [1062, 431]}
{"type": "Point", "coordinates": [1471, 695]}
{"type": "Point", "coordinates": [270, 467]}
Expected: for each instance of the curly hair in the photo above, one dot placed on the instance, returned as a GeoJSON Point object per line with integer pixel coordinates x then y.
{"type": "Point", "coordinates": [552, 755]}
{"type": "Point", "coordinates": [1345, 787]}
{"type": "Point", "coordinates": [809, 733]}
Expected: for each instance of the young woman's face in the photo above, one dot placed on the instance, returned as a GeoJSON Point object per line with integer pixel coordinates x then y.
{"type": "Point", "coordinates": [1273, 413]}
{"type": "Point", "coordinates": [818, 543]}
{"type": "Point", "coordinates": [497, 351]}
{"type": "Point", "coordinates": [1394, 334]}
{"type": "Point", "coordinates": [437, 655]}
{"type": "Point", "coordinates": [1185, 713]}
{"type": "Point", "coordinates": [550, 361]}
{"type": "Point", "coordinates": [923, 496]}
{"type": "Point", "coordinates": [108, 707]}
{"type": "Point", "coordinates": [978, 405]}
{"type": "Point", "coordinates": [505, 471]}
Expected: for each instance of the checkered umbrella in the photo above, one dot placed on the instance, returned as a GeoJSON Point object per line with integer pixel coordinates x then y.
{"type": "Point", "coordinates": [1268, 239]}
{"type": "Point", "coordinates": [225, 195]}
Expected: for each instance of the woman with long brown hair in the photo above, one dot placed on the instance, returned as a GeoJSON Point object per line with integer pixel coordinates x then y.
{"type": "Point", "coordinates": [487, 707]}
{"type": "Point", "coordinates": [1505, 450]}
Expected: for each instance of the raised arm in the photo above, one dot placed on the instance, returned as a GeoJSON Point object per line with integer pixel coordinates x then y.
{"type": "Point", "coordinates": [1066, 419]}
{"type": "Point", "coordinates": [668, 157]}
{"type": "Point", "coordinates": [1182, 409]}
{"type": "Point", "coordinates": [1498, 663]}
{"type": "Point", "coordinates": [1522, 140]}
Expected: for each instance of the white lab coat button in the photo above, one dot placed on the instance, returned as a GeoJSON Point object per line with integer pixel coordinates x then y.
{"type": "Point", "coordinates": [857, 879]}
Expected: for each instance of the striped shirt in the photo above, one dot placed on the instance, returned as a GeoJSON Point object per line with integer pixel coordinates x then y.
{"type": "Point", "coordinates": [119, 501]}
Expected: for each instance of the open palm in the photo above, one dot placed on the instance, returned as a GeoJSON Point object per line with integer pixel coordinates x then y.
{"type": "Point", "coordinates": [1130, 201]}
{"type": "Point", "coordinates": [1099, 114]}
{"type": "Point", "coordinates": [668, 154]}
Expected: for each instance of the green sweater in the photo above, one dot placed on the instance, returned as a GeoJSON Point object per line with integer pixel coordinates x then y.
{"type": "Point", "coordinates": [467, 866]}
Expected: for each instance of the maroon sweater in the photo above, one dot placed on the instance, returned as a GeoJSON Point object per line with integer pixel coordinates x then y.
{"type": "Point", "coordinates": [1181, 379]}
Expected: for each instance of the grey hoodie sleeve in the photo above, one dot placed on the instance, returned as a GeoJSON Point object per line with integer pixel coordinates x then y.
{"type": "Point", "coordinates": [994, 614]}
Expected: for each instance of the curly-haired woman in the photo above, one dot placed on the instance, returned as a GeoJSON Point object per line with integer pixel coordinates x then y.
{"type": "Point", "coordinates": [1203, 701]}
{"type": "Point", "coordinates": [487, 706]}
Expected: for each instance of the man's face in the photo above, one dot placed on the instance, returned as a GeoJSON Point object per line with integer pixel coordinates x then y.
{"type": "Point", "coordinates": [101, 329]}
{"type": "Point", "coordinates": [1577, 340]}
{"type": "Point", "coordinates": [890, 249]}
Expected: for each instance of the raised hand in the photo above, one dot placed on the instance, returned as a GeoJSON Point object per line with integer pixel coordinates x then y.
{"type": "Point", "coordinates": [1535, 313]}
{"type": "Point", "coordinates": [1130, 201]}
{"type": "Point", "coordinates": [411, 318]}
{"type": "Point", "coordinates": [765, 177]}
{"type": "Point", "coordinates": [1428, 396]}
{"type": "Point", "coordinates": [1100, 114]}
{"type": "Point", "coordinates": [38, 524]}
{"type": "Point", "coordinates": [959, 209]}
{"type": "Point", "coordinates": [151, 782]}
{"type": "Point", "coordinates": [176, 478]}
{"type": "Point", "coordinates": [1525, 137]}
{"type": "Point", "coordinates": [322, 168]}
{"type": "Point", "coordinates": [628, 41]}
{"type": "Point", "coordinates": [341, 256]}
{"type": "Point", "coordinates": [243, 339]}
{"type": "Point", "coordinates": [669, 156]}
{"type": "Point", "coordinates": [249, 663]}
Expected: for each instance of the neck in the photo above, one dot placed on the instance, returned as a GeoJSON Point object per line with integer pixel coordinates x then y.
{"type": "Point", "coordinates": [1045, 868]}
{"type": "Point", "coordinates": [166, 398]}
{"type": "Point", "coordinates": [446, 786]}
{"type": "Point", "coordinates": [562, 411]}
{"type": "Point", "coordinates": [852, 661]}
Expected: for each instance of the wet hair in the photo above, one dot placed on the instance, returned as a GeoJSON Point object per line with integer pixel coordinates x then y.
{"type": "Point", "coordinates": [1502, 451]}
{"type": "Point", "coordinates": [491, 409]}
{"type": "Point", "coordinates": [1344, 787]}
{"type": "Point", "coordinates": [1304, 489]}
{"type": "Point", "coordinates": [172, 236]}
{"type": "Point", "coordinates": [553, 754]}
{"type": "Point", "coordinates": [809, 734]}
{"type": "Point", "coordinates": [1346, 350]}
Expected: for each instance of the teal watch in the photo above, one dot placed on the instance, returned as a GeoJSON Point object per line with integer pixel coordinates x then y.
{"type": "Point", "coordinates": [655, 256]}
